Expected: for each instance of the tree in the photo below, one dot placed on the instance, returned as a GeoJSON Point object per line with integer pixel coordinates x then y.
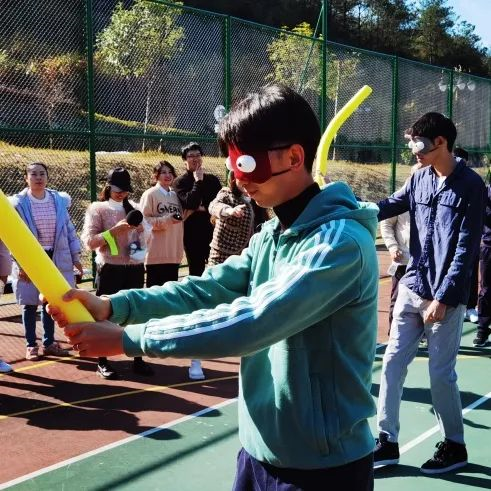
{"type": "Point", "coordinates": [342, 20]}
{"type": "Point", "coordinates": [273, 12]}
{"type": "Point", "coordinates": [433, 29]}
{"type": "Point", "coordinates": [296, 61]}
{"type": "Point", "coordinates": [137, 41]}
{"type": "Point", "coordinates": [385, 25]}
{"type": "Point", "coordinates": [59, 78]}
{"type": "Point", "coordinates": [466, 50]}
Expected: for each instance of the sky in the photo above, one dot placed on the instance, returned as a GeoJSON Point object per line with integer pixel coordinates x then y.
{"type": "Point", "coordinates": [475, 12]}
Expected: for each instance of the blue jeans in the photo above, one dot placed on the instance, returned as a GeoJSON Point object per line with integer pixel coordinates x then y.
{"type": "Point", "coordinates": [443, 345]}
{"type": "Point", "coordinates": [29, 322]}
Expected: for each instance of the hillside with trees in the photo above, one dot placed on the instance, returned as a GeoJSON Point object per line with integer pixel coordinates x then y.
{"type": "Point", "coordinates": [430, 32]}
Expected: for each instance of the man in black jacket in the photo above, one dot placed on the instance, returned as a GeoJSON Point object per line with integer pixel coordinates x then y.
{"type": "Point", "coordinates": [196, 190]}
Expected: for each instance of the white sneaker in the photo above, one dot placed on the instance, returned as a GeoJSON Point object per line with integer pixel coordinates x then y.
{"type": "Point", "coordinates": [471, 315]}
{"type": "Point", "coordinates": [5, 367]}
{"type": "Point", "coordinates": [195, 371]}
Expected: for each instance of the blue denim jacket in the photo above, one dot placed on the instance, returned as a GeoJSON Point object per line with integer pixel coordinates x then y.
{"type": "Point", "coordinates": [446, 227]}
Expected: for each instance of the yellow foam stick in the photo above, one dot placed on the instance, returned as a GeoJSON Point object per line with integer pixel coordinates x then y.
{"type": "Point", "coordinates": [333, 127]}
{"type": "Point", "coordinates": [32, 258]}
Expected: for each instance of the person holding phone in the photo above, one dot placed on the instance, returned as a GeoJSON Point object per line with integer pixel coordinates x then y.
{"type": "Point", "coordinates": [163, 216]}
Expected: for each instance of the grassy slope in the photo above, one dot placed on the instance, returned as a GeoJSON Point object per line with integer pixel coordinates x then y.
{"type": "Point", "coordinates": [69, 171]}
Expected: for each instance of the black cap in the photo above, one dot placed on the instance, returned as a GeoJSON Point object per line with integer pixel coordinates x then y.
{"type": "Point", "coordinates": [120, 178]}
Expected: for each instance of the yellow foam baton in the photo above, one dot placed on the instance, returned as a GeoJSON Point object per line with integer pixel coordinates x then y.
{"type": "Point", "coordinates": [32, 258]}
{"type": "Point", "coordinates": [323, 149]}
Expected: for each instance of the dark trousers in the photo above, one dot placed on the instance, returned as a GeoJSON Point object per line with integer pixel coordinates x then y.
{"type": "Point", "coordinates": [473, 295]}
{"type": "Point", "coordinates": [197, 255]}
{"type": "Point", "coordinates": [400, 272]}
{"type": "Point", "coordinates": [111, 278]}
{"type": "Point", "coordinates": [198, 232]}
{"type": "Point", "coordinates": [158, 274]}
{"type": "Point", "coordinates": [253, 475]}
{"type": "Point", "coordinates": [484, 298]}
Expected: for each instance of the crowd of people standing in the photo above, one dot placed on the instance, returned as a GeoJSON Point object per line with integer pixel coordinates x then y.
{"type": "Point", "coordinates": [136, 244]}
{"type": "Point", "coordinates": [320, 244]}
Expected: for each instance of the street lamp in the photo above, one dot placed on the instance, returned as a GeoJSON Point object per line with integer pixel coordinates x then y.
{"type": "Point", "coordinates": [442, 85]}
{"type": "Point", "coordinates": [460, 84]}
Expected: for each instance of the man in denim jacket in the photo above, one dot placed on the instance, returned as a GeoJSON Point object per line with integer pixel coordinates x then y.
{"type": "Point", "coordinates": [445, 201]}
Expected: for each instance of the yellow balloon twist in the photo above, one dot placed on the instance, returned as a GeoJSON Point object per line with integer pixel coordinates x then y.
{"type": "Point", "coordinates": [332, 129]}
{"type": "Point", "coordinates": [32, 258]}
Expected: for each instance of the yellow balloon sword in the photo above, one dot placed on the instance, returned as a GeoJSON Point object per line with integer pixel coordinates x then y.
{"type": "Point", "coordinates": [332, 129]}
{"type": "Point", "coordinates": [32, 258]}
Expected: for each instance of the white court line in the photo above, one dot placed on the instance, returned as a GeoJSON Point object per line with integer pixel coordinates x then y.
{"type": "Point", "coordinates": [83, 456]}
{"type": "Point", "coordinates": [436, 428]}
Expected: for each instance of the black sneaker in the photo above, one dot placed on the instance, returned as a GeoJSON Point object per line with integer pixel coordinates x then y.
{"type": "Point", "coordinates": [481, 338]}
{"type": "Point", "coordinates": [385, 453]}
{"type": "Point", "coordinates": [106, 372]}
{"type": "Point", "coordinates": [142, 368]}
{"type": "Point", "coordinates": [449, 456]}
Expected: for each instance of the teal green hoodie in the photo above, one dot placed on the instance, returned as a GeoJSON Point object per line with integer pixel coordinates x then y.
{"type": "Point", "coordinates": [300, 307]}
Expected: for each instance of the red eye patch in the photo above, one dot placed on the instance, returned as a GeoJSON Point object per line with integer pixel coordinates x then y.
{"type": "Point", "coordinates": [254, 166]}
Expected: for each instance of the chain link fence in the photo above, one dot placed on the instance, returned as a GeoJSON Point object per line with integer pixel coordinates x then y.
{"type": "Point", "coordinates": [92, 84]}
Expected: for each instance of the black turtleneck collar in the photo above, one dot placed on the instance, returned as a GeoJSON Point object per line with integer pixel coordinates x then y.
{"type": "Point", "coordinates": [289, 211]}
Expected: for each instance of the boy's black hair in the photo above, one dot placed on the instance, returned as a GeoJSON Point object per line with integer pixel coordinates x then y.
{"type": "Point", "coordinates": [189, 147]}
{"type": "Point", "coordinates": [432, 125]}
{"type": "Point", "coordinates": [461, 152]}
{"type": "Point", "coordinates": [273, 116]}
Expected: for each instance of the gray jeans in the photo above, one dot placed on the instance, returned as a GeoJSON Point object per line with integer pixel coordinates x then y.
{"type": "Point", "coordinates": [443, 344]}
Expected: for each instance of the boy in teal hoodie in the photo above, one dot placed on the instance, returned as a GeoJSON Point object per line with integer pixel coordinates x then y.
{"type": "Point", "coordinates": [299, 305]}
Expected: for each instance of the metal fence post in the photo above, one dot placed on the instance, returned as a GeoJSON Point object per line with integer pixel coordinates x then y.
{"type": "Point", "coordinates": [228, 63]}
{"type": "Point", "coordinates": [90, 99]}
{"type": "Point", "coordinates": [450, 95]}
{"type": "Point", "coordinates": [395, 115]}
{"type": "Point", "coordinates": [91, 109]}
{"type": "Point", "coordinates": [325, 7]}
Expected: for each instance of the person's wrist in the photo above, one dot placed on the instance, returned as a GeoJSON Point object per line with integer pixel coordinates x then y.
{"type": "Point", "coordinates": [109, 308]}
